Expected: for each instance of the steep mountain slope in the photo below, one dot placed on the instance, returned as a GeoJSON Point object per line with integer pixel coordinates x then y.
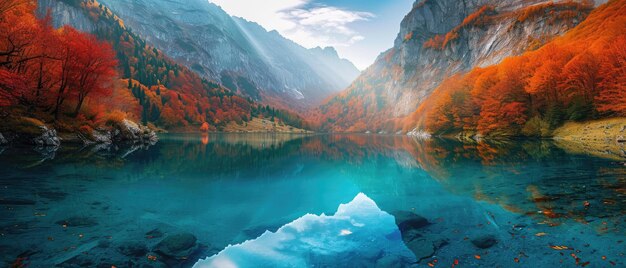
{"type": "Point", "coordinates": [240, 54]}
{"type": "Point", "coordinates": [439, 38]}
{"type": "Point", "coordinates": [156, 89]}
{"type": "Point", "coordinates": [577, 77]}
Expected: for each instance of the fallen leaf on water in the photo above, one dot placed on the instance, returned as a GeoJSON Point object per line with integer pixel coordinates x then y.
{"type": "Point", "coordinates": [456, 262]}
{"type": "Point", "coordinates": [609, 202]}
{"type": "Point", "coordinates": [477, 257]}
{"type": "Point", "coordinates": [152, 257]}
{"type": "Point", "coordinates": [559, 247]}
{"type": "Point", "coordinates": [575, 258]}
{"type": "Point", "coordinates": [431, 265]}
{"type": "Point", "coordinates": [540, 234]}
{"type": "Point", "coordinates": [604, 257]}
{"type": "Point", "coordinates": [516, 259]}
{"type": "Point", "coordinates": [584, 264]}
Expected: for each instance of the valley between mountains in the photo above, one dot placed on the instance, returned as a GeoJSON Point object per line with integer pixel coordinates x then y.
{"type": "Point", "coordinates": [467, 69]}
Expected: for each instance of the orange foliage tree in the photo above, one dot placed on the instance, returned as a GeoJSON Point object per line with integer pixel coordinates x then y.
{"type": "Point", "coordinates": [612, 88]}
{"type": "Point", "coordinates": [579, 76]}
{"type": "Point", "coordinates": [41, 68]}
{"type": "Point", "coordinates": [93, 66]}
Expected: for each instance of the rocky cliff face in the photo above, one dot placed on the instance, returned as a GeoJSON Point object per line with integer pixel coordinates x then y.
{"type": "Point", "coordinates": [240, 54]}
{"type": "Point", "coordinates": [440, 38]}
{"type": "Point", "coordinates": [64, 14]}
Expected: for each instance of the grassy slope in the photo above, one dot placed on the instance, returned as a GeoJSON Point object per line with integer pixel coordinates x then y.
{"type": "Point", "coordinates": [603, 138]}
{"type": "Point", "coordinates": [259, 125]}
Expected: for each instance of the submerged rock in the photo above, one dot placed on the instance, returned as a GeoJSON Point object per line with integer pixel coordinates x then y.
{"type": "Point", "coordinates": [178, 246]}
{"type": "Point", "coordinates": [422, 248]}
{"type": "Point", "coordinates": [407, 221]}
{"type": "Point", "coordinates": [485, 241]}
{"type": "Point", "coordinates": [104, 243]}
{"type": "Point", "coordinates": [133, 249]}
{"type": "Point", "coordinates": [155, 233]}
{"type": "Point", "coordinates": [16, 202]}
{"type": "Point", "coordinates": [78, 222]}
{"type": "Point", "coordinates": [54, 196]}
{"type": "Point", "coordinates": [17, 228]}
{"type": "Point", "coordinates": [77, 261]}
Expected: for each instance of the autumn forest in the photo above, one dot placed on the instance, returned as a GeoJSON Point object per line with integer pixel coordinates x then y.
{"type": "Point", "coordinates": [312, 133]}
{"type": "Point", "coordinates": [81, 81]}
{"type": "Point", "coordinates": [580, 76]}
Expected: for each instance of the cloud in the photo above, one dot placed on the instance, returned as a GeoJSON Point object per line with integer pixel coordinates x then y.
{"type": "Point", "coordinates": [302, 21]}
{"type": "Point", "coordinates": [324, 25]}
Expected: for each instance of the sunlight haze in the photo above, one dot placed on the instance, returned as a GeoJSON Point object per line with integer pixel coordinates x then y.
{"type": "Point", "coordinates": [359, 30]}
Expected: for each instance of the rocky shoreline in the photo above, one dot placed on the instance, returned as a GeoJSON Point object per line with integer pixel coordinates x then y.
{"type": "Point", "coordinates": [41, 137]}
{"type": "Point", "coordinates": [125, 132]}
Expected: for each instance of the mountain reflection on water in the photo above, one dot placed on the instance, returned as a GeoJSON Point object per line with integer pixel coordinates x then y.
{"type": "Point", "coordinates": [475, 204]}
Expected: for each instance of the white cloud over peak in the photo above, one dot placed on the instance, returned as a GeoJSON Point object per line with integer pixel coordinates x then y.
{"type": "Point", "coordinates": [306, 23]}
{"type": "Point", "coordinates": [324, 25]}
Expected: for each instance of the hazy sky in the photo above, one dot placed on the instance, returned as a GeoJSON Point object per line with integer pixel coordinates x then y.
{"type": "Point", "coordinates": [358, 29]}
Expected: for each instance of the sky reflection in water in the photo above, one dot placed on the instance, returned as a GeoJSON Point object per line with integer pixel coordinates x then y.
{"type": "Point", "coordinates": [531, 197]}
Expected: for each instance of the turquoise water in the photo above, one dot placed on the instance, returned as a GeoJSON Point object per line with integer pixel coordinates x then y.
{"type": "Point", "coordinates": [537, 204]}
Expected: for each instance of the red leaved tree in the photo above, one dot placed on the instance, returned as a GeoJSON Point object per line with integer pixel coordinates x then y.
{"type": "Point", "coordinates": [93, 67]}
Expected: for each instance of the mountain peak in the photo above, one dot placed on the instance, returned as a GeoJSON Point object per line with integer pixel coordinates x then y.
{"type": "Point", "coordinates": [440, 38]}
{"type": "Point", "coordinates": [328, 51]}
{"type": "Point", "coordinates": [239, 53]}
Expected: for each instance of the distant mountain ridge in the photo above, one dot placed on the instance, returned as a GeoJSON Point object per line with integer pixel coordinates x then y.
{"type": "Point", "coordinates": [437, 39]}
{"type": "Point", "coordinates": [240, 54]}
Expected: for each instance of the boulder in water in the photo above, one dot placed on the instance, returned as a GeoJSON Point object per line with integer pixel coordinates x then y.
{"type": "Point", "coordinates": [485, 241]}
{"type": "Point", "coordinates": [407, 221]}
{"type": "Point", "coordinates": [178, 246]}
{"type": "Point", "coordinates": [133, 249]}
